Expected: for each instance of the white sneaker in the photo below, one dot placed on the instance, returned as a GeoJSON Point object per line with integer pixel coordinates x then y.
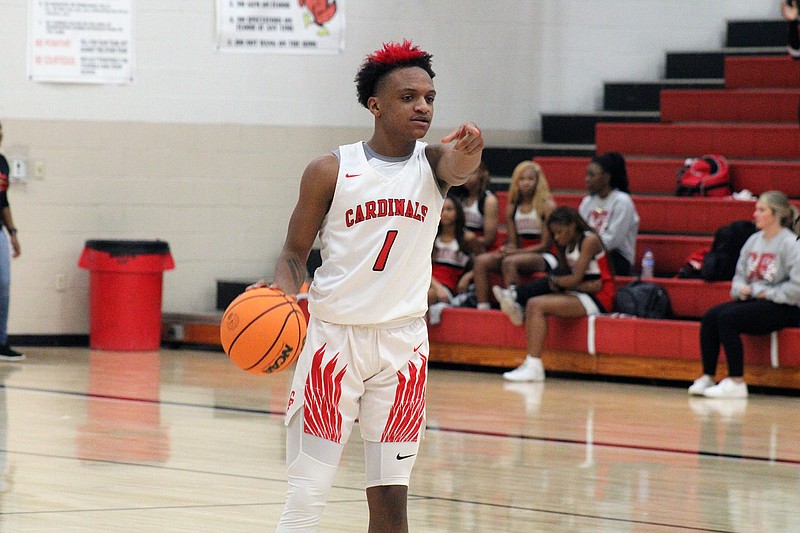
{"type": "Point", "coordinates": [530, 370]}
{"type": "Point", "coordinates": [727, 388]}
{"type": "Point", "coordinates": [700, 384]}
{"type": "Point", "coordinates": [435, 312]}
{"type": "Point", "coordinates": [507, 298]}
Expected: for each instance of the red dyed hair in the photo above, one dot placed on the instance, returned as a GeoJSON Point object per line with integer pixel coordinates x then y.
{"type": "Point", "coordinates": [397, 52]}
{"type": "Point", "coordinates": [381, 62]}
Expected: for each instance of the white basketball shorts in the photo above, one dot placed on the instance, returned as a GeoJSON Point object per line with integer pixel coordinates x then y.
{"type": "Point", "coordinates": [374, 374]}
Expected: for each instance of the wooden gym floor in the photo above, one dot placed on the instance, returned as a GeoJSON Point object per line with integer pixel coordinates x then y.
{"type": "Point", "coordinates": [180, 440]}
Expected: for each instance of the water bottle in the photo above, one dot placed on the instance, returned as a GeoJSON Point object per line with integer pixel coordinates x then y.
{"type": "Point", "coordinates": [648, 264]}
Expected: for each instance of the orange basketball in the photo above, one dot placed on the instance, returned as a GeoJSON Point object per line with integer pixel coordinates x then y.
{"type": "Point", "coordinates": [263, 331]}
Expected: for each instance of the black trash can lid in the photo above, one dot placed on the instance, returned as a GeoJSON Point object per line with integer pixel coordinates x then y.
{"type": "Point", "coordinates": [129, 248]}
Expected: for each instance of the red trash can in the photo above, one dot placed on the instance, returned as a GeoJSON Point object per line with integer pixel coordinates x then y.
{"type": "Point", "coordinates": [125, 284]}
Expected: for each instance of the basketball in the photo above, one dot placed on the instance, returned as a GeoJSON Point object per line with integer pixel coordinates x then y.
{"type": "Point", "coordinates": [263, 331]}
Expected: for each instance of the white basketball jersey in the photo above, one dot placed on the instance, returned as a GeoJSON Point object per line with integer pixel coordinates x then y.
{"type": "Point", "coordinates": [376, 242]}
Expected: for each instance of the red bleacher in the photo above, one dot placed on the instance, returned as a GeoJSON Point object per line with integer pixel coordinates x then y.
{"type": "Point", "coordinates": [753, 126]}
{"type": "Point", "coordinates": [658, 175]}
{"type": "Point", "coordinates": [752, 72]}
{"type": "Point", "coordinates": [739, 105]}
{"type": "Point", "coordinates": [758, 141]}
{"type": "Point", "coordinates": [673, 215]}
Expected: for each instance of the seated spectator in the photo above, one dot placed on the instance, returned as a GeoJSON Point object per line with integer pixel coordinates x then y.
{"type": "Point", "coordinates": [529, 205]}
{"type": "Point", "coordinates": [452, 262]}
{"type": "Point", "coordinates": [584, 286]}
{"type": "Point", "coordinates": [481, 210]}
{"type": "Point", "coordinates": [609, 209]}
{"type": "Point", "coordinates": [765, 292]}
{"type": "Point", "coordinates": [791, 13]}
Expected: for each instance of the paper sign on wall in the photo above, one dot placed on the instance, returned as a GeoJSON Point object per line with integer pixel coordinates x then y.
{"type": "Point", "coordinates": [288, 26]}
{"type": "Point", "coordinates": [86, 41]}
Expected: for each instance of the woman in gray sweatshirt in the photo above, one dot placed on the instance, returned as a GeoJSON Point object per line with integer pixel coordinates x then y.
{"type": "Point", "coordinates": [765, 292]}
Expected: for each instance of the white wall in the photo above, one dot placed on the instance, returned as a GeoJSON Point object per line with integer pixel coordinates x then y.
{"type": "Point", "coordinates": [502, 62]}
{"type": "Point", "coordinates": [204, 149]}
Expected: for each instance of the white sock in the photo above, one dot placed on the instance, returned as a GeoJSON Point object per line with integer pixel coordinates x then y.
{"type": "Point", "coordinates": [484, 305]}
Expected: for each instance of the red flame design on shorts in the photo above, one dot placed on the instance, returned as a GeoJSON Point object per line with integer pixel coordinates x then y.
{"type": "Point", "coordinates": [405, 418]}
{"type": "Point", "coordinates": [321, 415]}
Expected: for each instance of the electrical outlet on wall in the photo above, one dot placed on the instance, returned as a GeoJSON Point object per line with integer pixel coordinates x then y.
{"type": "Point", "coordinates": [18, 170]}
{"type": "Point", "coordinates": [38, 170]}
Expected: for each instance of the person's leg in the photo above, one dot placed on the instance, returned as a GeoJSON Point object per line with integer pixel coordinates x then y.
{"type": "Point", "coordinates": [387, 509]}
{"type": "Point", "coordinates": [5, 287]}
{"type": "Point", "coordinates": [515, 266]}
{"type": "Point", "coordinates": [539, 308]}
{"type": "Point", "coordinates": [710, 338]}
{"type": "Point", "coordinates": [620, 265]}
{"type": "Point", "coordinates": [513, 299]}
{"type": "Point", "coordinates": [323, 406]}
{"type": "Point", "coordinates": [311, 464]}
{"type": "Point", "coordinates": [754, 317]}
{"type": "Point", "coordinates": [484, 265]}
{"type": "Point", "coordinates": [392, 422]}
{"type": "Point", "coordinates": [388, 469]}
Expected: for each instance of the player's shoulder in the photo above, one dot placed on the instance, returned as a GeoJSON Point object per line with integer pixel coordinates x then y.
{"type": "Point", "coordinates": [320, 176]}
{"type": "Point", "coordinates": [324, 163]}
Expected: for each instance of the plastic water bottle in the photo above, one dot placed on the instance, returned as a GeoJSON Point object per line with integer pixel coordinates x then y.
{"type": "Point", "coordinates": [648, 264]}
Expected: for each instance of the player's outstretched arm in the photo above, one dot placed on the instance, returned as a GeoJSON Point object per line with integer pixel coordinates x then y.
{"type": "Point", "coordinates": [453, 163]}
{"type": "Point", "coordinates": [316, 192]}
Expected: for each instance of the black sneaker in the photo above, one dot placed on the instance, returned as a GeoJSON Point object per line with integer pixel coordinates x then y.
{"type": "Point", "coordinates": [9, 354]}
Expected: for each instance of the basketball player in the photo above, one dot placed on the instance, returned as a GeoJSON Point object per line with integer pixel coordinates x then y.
{"type": "Point", "coordinates": [376, 207]}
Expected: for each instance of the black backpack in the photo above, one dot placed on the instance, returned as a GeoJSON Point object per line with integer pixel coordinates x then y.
{"type": "Point", "coordinates": [643, 299]}
{"type": "Point", "coordinates": [719, 263]}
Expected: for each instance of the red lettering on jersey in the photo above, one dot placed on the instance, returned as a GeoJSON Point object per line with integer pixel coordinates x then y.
{"type": "Point", "coordinates": [383, 208]}
{"type": "Point", "coordinates": [371, 209]}
{"type": "Point", "coordinates": [417, 215]}
{"type": "Point", "coordinates": [359, 214]}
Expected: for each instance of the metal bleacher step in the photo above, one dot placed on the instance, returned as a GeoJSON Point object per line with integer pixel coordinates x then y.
{"type": "Point", "coordinates": [710, 63]}
{"type": "Point", "coordinates": [646, 95]}
{"type": "Point", "coordinates": [501, 160]}
{"type": "Point", "coordinates": [756, 33]}
{"type": "Point", "coordinates": [580, 127]}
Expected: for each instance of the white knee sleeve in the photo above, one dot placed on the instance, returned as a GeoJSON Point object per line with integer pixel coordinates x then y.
{"type": "Point", "coordinates": [311, 467]}
{"type": "Point", "coordinates": [389, 463]}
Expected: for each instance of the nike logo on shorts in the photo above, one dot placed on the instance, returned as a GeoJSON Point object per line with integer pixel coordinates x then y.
{"type": "Point", "coordinates": [401, 457]}
{"type": "Point", "coordinates": [348, 175]}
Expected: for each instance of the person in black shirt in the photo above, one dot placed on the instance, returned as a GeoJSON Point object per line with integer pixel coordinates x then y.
{"type": "Point", "coordinates": [6, 353]}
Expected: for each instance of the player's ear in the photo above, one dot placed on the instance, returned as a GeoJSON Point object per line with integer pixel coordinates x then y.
{"type": "Point", "coordinates": [372, 105]}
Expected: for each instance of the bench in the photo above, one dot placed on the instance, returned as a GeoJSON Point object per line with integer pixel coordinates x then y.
{"type": "Point", "coordinates": [609, 346]}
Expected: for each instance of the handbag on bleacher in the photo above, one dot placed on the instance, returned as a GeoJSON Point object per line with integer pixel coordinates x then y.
{"type": "Point", "coordinates": [707, 175]}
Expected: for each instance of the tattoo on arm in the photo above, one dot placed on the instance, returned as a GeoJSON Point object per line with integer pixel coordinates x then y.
{"type": "Point", "coordinates": [297, 270]}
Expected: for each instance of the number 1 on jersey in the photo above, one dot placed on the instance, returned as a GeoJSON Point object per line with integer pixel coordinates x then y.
{"type": "Point", "coordinates": [380, 262]}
